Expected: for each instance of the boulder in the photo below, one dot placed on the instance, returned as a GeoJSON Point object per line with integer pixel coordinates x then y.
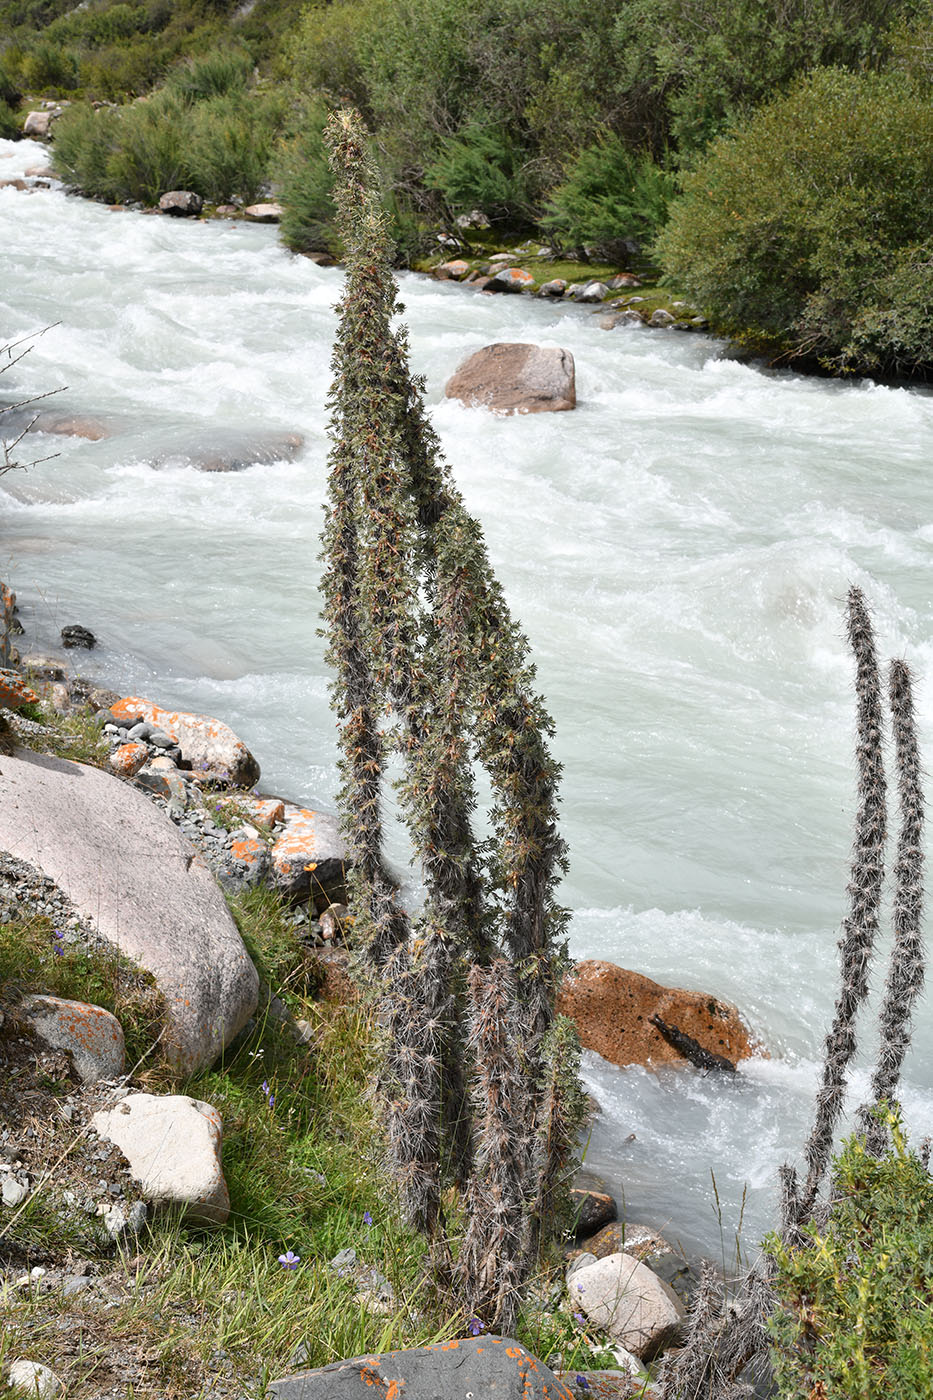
{"type": "Point", "coordinates": [554, 288]}
{"type": "Point", "coordinates": [620, 1236]}
{"type": "Point", "coordinates": [72, 425]}
{"type": "Point", "coordinates": [269, 213]}
{"type": "Point", "coordinates": [495, 1367]}
{"type": "Point", "coordinates": [512, 279]}
{"type": "Point", "coordinates": [37, 124]}
{"type": "Point", "coordinates": [128, 871]}
{"type": "Point", "coordinates": [231, 451]}
{"type": "Point", "coordinates": [457, 269]}
{"type": "Point", "coordinates": [173, 1146]}
{"type": "Point", "coordinates": [89, 1034]}
{"type": "Point", "coordinates": [209, 745]}
{"type": "Point", "coordinates": [593, 291]}
{"type": "Point", "coordinates": [309, 858]}
{"type": "Point", "coordinates": [40, 172]}
{"type": "Point", "coordinates": [267, 811]}
{"type": "Point", "coordinates": [15, 184]}
{"type": "Point", "coordinates": [625, 1299]}
{"type": "Point", "coordinates": [44, 668]}
{"type": "Point", "coordinates": [127, 760]}
{"type": "Point", "coordinates": [180, 203]}
{"type": "Point", "coordinates": [475, 219]}
{"type": "Point", "coordinates": [612, 1008]}
{"type": "Point", "coordinates": [660, 317]}
{"type": "Point", "coordinates": [591, 1203]}
{"type": "Point", "coordinates": [509, 378]}
{"type": "Point", "coordinates": [77, 636]}
{"type": "Point", "coordinates": [14, 692]}
{"type": "Point", "coordinates": [624, 279]}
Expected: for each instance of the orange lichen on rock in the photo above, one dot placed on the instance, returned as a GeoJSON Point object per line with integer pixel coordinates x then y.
{"type": "Point", "coordinates": [14, 692]}
{"type": "Point", "coordinates": [128, 759]}
{"type": "Point", "coordinates": [612, 1008]}
{"type": "Point", "coordinates": [209, 745]}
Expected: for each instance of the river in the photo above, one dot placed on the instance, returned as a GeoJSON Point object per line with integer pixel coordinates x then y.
{"type": "Point", "coordinates": [678, 551]}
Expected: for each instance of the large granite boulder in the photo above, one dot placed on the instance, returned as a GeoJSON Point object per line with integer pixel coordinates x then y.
{"type": "Point", "coordinates": [180, 203]}
{"type": "Point", "coordinates": [495, 1368]}
{"type": "Point", "coordinates": [173, 1146]}
{"type": "Point", "coordinates": [128, 871]}
{"type": "Point", "coordinates": [625, 1299]}
{"type": "Point", "coordinates": [612, 1009]}
{"type": "Point", "coordinates": [516, 378]}
{"type": "Point", "coordinates": [209, 745]}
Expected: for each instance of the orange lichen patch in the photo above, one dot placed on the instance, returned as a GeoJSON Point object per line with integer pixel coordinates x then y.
{"type": "Point", "coordinates": [128, 759]}
{"type": "Point", "coordinates": [268, 811]}
{"type": "Point", "coordinates": [297, 842]}
{"type": "Point", "coordinates": [247, 849]}
{"type": "Point", "coordinates": [392, 1390]}
{"type": "Point", "coordinates": [89, 1025]}
{"type": "Point", "coordinates": [14, 692]}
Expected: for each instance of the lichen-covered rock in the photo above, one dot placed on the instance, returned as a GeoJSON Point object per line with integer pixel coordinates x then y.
{"type": "Point", "coordinates": [489, 1368]}
{"type": "Point", "coordinates": [209, 745]}
{"type": "Point", "coordinates": [512, 279]}
{"type": "Point", "coordinates": [625, 1299]}
{"type": "Point", "coordinates": [89, 1034]}
{"type": "Point", "coordinates": [516, 378]}
{"type": "Point", "coordinates": [455, 270]}
{"type": "Point", "coordinates": [14, 692]}
{"type": "Point", "coordinates": [591, 1202]}
{"type": "Point", "coordinates": [173, 1145]}
{"type": "Point", "coordinates": [181, 203]}
{"type": "Point", "coordinates": [612, 1007]}
{"type": "Point", "coordinates": [268, 213]}
{"type": "Point", "coordinates": [127, 760]}
{"type": "Point", "coordinates": [310, 857]}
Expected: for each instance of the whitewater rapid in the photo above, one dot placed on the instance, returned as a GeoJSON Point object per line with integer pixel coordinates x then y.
{"type": "Point", "coordinates": [678, 551]}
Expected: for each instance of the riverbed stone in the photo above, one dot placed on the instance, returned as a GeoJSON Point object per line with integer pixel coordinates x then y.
{"type": "Point", "coordinates": [495, 1367]}
{"type": "Point", "coordinates": [37, 124]}
{"type": "Point", "coordinates": [626, 1237]}
{"type": "Point", "coordinates": [180, 203]}
{"type": "Point", "coordinates": [173, 1146]}
{"type": "Point", "coordinates": [31, 1378]}
{"type": "Point", "coordinates": [14, 692]}
{"type": "Point", "coordinates": [230, 450]}
{"type": "Point", "coordinates": [127, 760]}
{"type": "Point", "coordinates": [267, 213]}
{"type": "Point", "coordinates": [128, 872]}
{"type": "Point", "coordinates": [455, 270]}
{"type": "Point", "coordinates": [210, 746]}
{"type": "Point", "coordinates": [611, 1007]}
{"type": "Point", "coordinates": [591, 1202]}
{"type": "Point", "coordinates": [91, 1036]}
{"type": "Point", "coordinates": [512, 279]}
{"type": "Point", "coordinates": [516, 378]}
{"type": "Point", "coordinates": [629, 1302]}
{"type": "Point", "coordinates": [72, 425]}
{"type": "Point", "coordinates": [310, 857]}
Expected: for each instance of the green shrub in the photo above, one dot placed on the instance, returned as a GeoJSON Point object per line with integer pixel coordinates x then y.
{"type": "Point", "coordinates": [49, 68]}
{"type": "Point", "coordinates": [151, 154]}
{"type": "Point", "coordinates": [217, 74]}
{"type": "Point", "coordinates": [305, 185]}
{"type": "Point", "coordinates": [85, 140]}
{"type": "Point", "coordinates": [806, 226]}
{"type": "Point", "coordinates": [481, 167]}
{"type": "Point", "coordinates": [856, 1302]}
{"type": "Point", "coordinates": [611, 195]}
{"type": "Point", "coordinates": [9, 121]}
{"type": "Point", "coordinates": [229, 148]}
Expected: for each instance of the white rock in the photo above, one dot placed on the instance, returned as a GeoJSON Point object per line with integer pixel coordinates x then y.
{"type": "Point", "coordinates": [13, 1192]}
{"type": "Point", "coordinates": [173, 1146]}
{"type": "Point", "coordinates": [37, 123]}
{"type": "Point", "coordinates": [32, 1378]}
{"type": "Point", "coordinates": [629, 1302]}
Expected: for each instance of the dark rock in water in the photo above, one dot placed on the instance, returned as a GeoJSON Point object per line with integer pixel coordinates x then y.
{"type": "Point", "coordinates": [691, 1049]}
{"type": "Point", "coordinates": [477, 1366]}
{"type": "Point", "coordinates": [180, 203]}
{"type": "Point", "coordinates": [77, 636]}
{"type": "Point", "coordinates": [591, 1202]}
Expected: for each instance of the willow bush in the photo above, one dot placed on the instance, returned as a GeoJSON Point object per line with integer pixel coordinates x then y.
{"type": "Point", "coordinates": [478, 1080]}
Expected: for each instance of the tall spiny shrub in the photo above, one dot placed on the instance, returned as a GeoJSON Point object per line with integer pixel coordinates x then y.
{"type": "Point", "coordinates": [725, 1337]}
{"type": "Point", "coordinates": [478, 1078]}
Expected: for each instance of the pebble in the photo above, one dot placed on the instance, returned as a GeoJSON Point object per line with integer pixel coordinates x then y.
{"type": "Point", "coordinates": [34, 1379]}
{"type": "Point", "coordinates": [76, 1283]}
{"type": "Point", "coordinates": [14, 1192]}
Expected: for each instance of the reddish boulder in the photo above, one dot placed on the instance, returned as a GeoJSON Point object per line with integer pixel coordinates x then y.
{"type": "Point", "coordinates": [612, 1008]}
{"type": "Point", "coordinates": [512, 279]}
{"type": "Point", "coordinates": [14, 692]}
{"type": "Point", "coordinates": [516, 378]}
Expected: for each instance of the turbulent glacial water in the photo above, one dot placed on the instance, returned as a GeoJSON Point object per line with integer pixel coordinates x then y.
{"type": "Point", "coordinates": [678, 551]}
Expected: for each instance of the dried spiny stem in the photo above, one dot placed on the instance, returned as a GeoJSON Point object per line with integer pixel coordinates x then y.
{"type": "Point", "coordinates": [861, 925]}
{"type": "Point", "coordinates": [905, 974]}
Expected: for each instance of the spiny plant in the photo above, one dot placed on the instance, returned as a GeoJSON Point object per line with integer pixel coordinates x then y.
{"type": "Point", "coordinates": [725, 1337]}
{"type": "Point", "coordinates": [478, 1077]}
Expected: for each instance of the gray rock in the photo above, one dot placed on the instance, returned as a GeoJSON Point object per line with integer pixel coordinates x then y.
{"type": "Point", "coordinates": [76, 1283]}
{"type": "Point", "coordinates": [629, 1302]}
{"type": "Point", "coordinates": [268, 213]}
{"type": "Point", "coordinates": [121, 1219]}
{"type": "Point", "coordinates": [516, 378]}
{"type": "Point", "coordinates": [33, 1379]}
{"type": "Point", "coordinates": [309, 858]}
{"type": "Point", "coordinates": [475, 219]}
{"type": "Point", "coordinates": [181, 203]}
{"type": "Point", "coordinates": [488, 1368]}
{"type": "Point", "coordinates": [37, 124]}
{"type": "Point", "coordinates": [173, 1146]}
{"type": "Point", "coordinates": [660, 317]}
{"type": "Point", "coordinates": [77, 636]}
{"type": "Point", "coordinates": [593, 291]}
{"type": "Point", "coordinates": [512, 279]}
{"type": "Point", "coordinates": [13, 1192]}
{"type": "Point", "coordinates": [591, 1202]}
{"type": "Point", "coordinates": [90, 1035]}
{"type": "Point", "coordinates": [555, 288]}
{"type": "Point", "coordinates": [128, 871]}
{"type": "Point", "coordinates": [209, 745]}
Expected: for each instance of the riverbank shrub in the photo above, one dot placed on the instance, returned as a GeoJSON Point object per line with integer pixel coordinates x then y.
{"type": "Point", "coordinates": [612, 196]}
{"type": "Point", "coordinates": [306, 182]}
{"type": "Point", "coordinates": [854, 1317]}
{"type": "Point", "coordinates": [810, 227]}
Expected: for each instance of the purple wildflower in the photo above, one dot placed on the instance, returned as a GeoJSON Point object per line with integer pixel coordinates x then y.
{"type": "Point", "coordinates": [367, 1218]}
{"type": "Point", "coordinates": [59, 945]}
{"type": "Point", "coordinates": [474, 1327]}
{"type": "Point", "coordinates": [582, 1381]}
{"type": "Point", "coordinates": [578, 1317]}
{"type": "Point", "coordinates": [289, 1260]}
